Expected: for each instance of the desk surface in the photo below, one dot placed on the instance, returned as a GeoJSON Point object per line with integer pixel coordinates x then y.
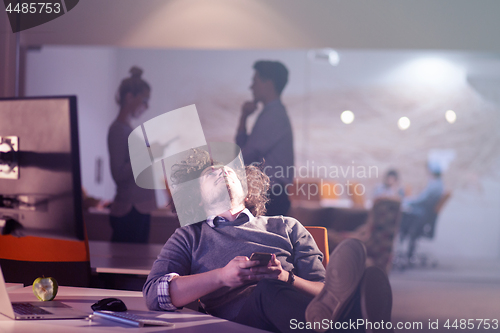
{"type": "Point", "coordinates": [13, 286]}
{"type": "Point", "coordinates": [82, 298]}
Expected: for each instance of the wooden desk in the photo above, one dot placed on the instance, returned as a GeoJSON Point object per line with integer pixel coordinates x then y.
{"type": "Point", "coordinates": [82, 298]}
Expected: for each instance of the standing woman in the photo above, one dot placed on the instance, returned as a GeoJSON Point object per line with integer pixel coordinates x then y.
{"type": "Point", "coordinates": [130, 212]}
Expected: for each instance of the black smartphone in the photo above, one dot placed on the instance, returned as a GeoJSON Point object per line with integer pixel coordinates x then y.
{"type": "Point", "coordinates": [262, 258]}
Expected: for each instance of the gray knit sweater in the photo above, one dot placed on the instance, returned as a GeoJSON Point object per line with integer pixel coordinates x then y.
{"type": "Point", "coordinates": [198, 248]}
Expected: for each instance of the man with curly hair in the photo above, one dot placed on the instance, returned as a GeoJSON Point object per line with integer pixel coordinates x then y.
{"type": "Point", "coordinates": [210, 261]}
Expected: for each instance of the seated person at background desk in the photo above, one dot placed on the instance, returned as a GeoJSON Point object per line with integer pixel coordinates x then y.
{"type": "Point", "coordinates": [209, 260]}
{"type": "Point", "coordinates": [390, 187]}
{"type": "Point", "coordinates": [419, 210]}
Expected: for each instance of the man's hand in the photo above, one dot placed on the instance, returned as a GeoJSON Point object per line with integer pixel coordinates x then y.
{"type": "Point", "coordinates": [241, 270]}
{"type": "Point", "coordinates": [273, 270]}
{"type": "Point", "coordinates": [237, 272]}
{"type": "Point", "coordinates": [248, 108]}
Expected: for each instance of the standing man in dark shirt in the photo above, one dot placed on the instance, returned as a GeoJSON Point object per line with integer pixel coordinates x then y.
{"type": "Point", "coordinates": [271, 139]}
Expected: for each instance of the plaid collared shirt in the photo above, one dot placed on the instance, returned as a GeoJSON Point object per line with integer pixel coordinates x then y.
{"type": "Point", "coordinates": [164, 300]}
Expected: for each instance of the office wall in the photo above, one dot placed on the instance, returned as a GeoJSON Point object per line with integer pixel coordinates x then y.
{"type": "Point", "coordinates": [91, 74]}
{"type": "Point", "coordinates": [375, 85]}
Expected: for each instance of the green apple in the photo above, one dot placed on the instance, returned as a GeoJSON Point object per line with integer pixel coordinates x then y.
{"type": "Point", "coordinates": [45, 288]}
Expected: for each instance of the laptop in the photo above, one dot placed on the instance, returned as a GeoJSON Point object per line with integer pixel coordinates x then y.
{"type": "Point", "coordinates": [35, 310]}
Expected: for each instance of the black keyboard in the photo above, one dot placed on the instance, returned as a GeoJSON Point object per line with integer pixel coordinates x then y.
{"type": "Point", "coordinates": [28, 309]}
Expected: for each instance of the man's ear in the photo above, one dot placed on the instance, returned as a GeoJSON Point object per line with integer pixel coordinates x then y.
{"type": "Point", "coordinates": [270, 85]}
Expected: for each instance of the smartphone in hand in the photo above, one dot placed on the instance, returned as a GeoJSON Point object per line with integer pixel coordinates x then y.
{"type": "Point", "coordinates": [262, 258]}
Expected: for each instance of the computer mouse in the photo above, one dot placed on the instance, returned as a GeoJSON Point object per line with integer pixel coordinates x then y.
{"type": "Point", "coordinates": [109, 304]}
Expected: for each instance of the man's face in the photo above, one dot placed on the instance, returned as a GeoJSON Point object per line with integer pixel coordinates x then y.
{"type": "Point", "coordinates": [218, 183]}
{"type": "Point", "coordinates": [260, 87]}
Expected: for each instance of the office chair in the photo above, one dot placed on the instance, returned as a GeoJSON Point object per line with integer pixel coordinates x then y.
{"type": "Point", "coordinates": [377, 233]}
{"type": "Point", "coordinates": [427, 229]}
{"type": "Point", "coordinates": [320, 236]}
{"type": "Point", "coordinates": [384, 218]}
{"type": "Point", "coordinates": [23, 259]}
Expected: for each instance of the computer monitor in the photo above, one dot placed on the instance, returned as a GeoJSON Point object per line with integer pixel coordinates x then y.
{"type": "Point", "coordinates": [40, 186]}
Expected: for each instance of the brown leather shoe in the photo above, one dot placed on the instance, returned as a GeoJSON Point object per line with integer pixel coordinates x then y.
{"type": "Point", "coordinates": [376, 301]}
{"type": "Point", "coordinates": [343, 275]}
